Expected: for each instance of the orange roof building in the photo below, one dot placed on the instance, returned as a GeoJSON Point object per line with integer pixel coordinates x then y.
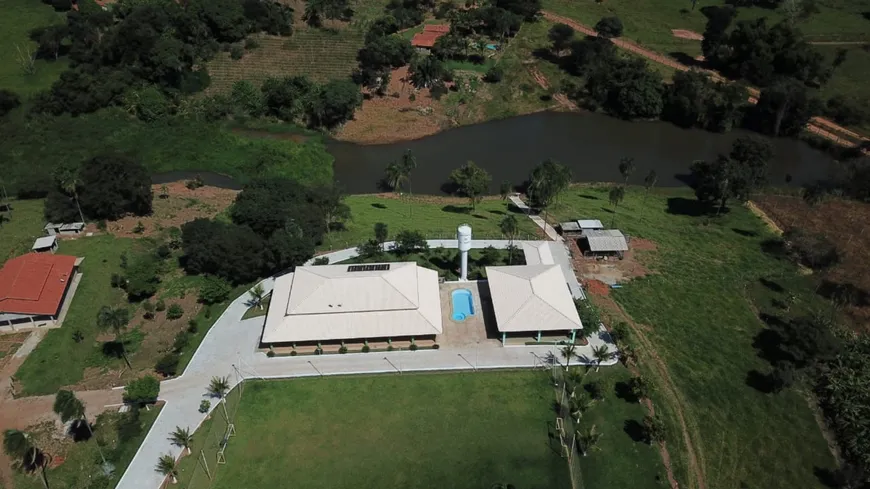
{"type": "Point", "coordinates": [34, 286]}
{"type": "Point", "coordinates": [430, 34]}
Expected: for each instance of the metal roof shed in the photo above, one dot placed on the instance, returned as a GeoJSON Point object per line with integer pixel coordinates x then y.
{"type": "Point", "coordinates": [585, 224]}
{"type": "Point", "coordinates": [606, 240]}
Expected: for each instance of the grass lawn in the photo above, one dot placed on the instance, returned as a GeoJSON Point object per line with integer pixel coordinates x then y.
{"type": "Point", "coordinates": [175, 144]}
{"type": "Point", "coordinates": [412, 431]}
{"type": "Point", "coordinates": [59, 360]}
{"type": "Point", "coordinates": [435, 217]}
{"type": "Point", "coordinates": [257, 311]}
{"type": "Point", "coordinates": [696, 303]}
{"type": "Point", "coordinates": [624, 459]}
{"type": "Point", "coordinates": [19, 17]}
{"type": "Point", "coordinates": [850, 78]}
{"type": "Point", "coordinates": [24, 225]}
{"type": "Point", "coordinates": [119, 435]}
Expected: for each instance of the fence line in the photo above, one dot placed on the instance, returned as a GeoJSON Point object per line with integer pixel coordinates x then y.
{"type": "Point", "coordinates": [568, 428]}
{"type": "Point", "coordinates": [207, 454]}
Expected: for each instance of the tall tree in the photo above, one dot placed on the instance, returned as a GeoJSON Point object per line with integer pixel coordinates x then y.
{"type": "Point", "coordinates": [19, 444]}
{"type": "Point", "coordinates": [505, 189]}
{"type": "Point", "coordinates": [509, 227]}
{"type": "Point", "coordinates": [115, 319]}
{"type": "Point", "coordinates": [409, 164]}
{"type": "Point", "coordinates": [588, 440]}
{"type": "Point", "coordinates": [382, 232]}
{"type": "Point", "coordinates": [395, 176]}
{"type": "Point", "coordinates": [547, 180]}
{"type": "Point", "coordinates": [219, 386]}
{"type": "Point", "coordinates": [601, 353]}
{"type": "Point", "coordinates": [649, 182]}
{"type": "Point", "coordinates": [561, 36]}
{"type": "Point", "coordinates": [166, 466]}
{"type": "Point", "coordinates": [609, 27]}
{"type": "Point", "coordinates": [568, 352]}
{"type": "Point", "coordinates": [626, 168]}
{"type": "Point", "coordinates": [472, 182]}
{"type": "Point", "coordinates": [736, 175]}
{"type": "Point", "coordinates": [616, 196]}
{"type": "Point", "coordinates": [257, 293]}
{"type": "Point", "coordinates": [427, 71]}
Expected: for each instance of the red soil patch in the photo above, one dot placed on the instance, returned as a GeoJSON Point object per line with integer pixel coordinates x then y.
{"type": "Point", "coordinates": [597, 287]}
{"type": "Point", "coordinates": [180, 205]}
{"type": "Point", "coordinates": [684, 34]}
{"type": "Point", "coordinates": [395, 117]}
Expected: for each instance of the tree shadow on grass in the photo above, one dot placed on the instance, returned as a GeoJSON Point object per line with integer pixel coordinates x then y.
{"type": "Point", "coordinates": [681, 206]}
{"type": "Point", "coordinates": [456, 209]}
{"type": "Point", "coordinates": [774, 247]}
{"type": "Point", "coordinates": [634, 430]}
{"type": "Point", "coordinates": [378, 205]}
{"type": "Point", "coordinates": [846, 293]}
{"type": "Point", "coordinates": [769, 342]}
{"type": "Point", "coordinates": [771, 285]}
{"type": "Point", "coordinates": [588, 197]}
{"type": "Point", "coordinates": [498, 213]}
{"type": "Point", "coordinates": [745, 233]}
{"type": "Point", "coordinates": [685, 59]}
{"type": "Point", "coordinates": [607, 210]}
{"type": "Point", "coordinates": [113, 349]}
{"type": "Point", "coordinates": [759, 381]}
{"type": "Point", "coordinates": [480, 216]}
{"type": "Point", "coordinates": [79, 431]}
{"type": "Point", "coordinates": [623, 391]}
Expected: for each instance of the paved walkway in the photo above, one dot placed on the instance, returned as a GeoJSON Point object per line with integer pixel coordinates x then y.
{"type": "Point", "coordinates": [549, 230]}
{"type": "Point", "coordinates": [230, 349]}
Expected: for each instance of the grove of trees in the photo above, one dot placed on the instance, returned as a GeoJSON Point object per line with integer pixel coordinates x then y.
{"type": "Point", "coordinates": [732, 176]}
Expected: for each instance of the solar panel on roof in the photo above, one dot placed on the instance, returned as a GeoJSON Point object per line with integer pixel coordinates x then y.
{"type": "Point", "coordinates": [369, 268]}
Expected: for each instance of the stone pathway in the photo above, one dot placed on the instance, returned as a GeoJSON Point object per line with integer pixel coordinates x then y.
{"type": "Point", "coordinates": [549, 230]}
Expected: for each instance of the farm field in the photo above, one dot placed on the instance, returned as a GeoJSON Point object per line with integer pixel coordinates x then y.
{"type": "Point", "coordinates": [412, 431]}
{"type": "Point", "coordinates": [318, 54]}
{"type": "Point", "coordinates": [850, 78]}
{"type": "Point", "coordinates": [843, 222]}
{"type": "Point", "coordinates": [19, 17]}
{"type": "Point", "coordinates": [695, 311]}
{"type": "Point", "coordinates": [435, 217]}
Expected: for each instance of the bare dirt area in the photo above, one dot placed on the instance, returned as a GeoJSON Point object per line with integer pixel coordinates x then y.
{"type": "Point", "coordinates": [174, 205]}
{"type": "Point", "coordinates": [844, 222]}
{"type": "Point", "coordinates": [395, 116]}
{"type": "Point", "coordinates": [685, 34]}
{"type": "Point", "coordinates": [598, 273]}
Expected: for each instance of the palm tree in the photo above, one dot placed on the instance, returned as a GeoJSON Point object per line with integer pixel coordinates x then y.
{"type": "Point", "coordinates": [509, 227]}
{"type": "Point", "coordinates": [588, 440]}
{"type": "Point", "coordinates": [219, 386]}
{"type": "Point", "coordinates": [626, 168]}
{"type": "Point", "coordinates": [580, 404]}
{"type": "Point", "coordinates": [408, 164]}
{"type": "Point", "coordinates": [649, 182]}
{"type": "Point", "coordinates": [181, 438]}
{"type": "Point", "coordinates": [115, 319]}
{"type": "Point", "coordinates": [166, 466]}
{"type": "Point", "coordinates": [617, 195]}
{"type": "Point", "coordinates": [394, 176]}
{"type": "Point", "coordinates": [68, 406]}
{"type": "Point", "coordinates": [601, 354]}
{"type": "Point", "coordinates": [17, 444]}
{"type": "Point", "coordinates": [568, 351]}
{"type": "Point", "coordinates": [69, 182]}
{"type": "Point", "coordinates": [257, 293]}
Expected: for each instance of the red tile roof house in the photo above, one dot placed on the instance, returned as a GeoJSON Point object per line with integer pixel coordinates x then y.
{"type": "Point", "coordinates": [36, 289]}
{"type": "Point", "coordinates": [430, 34]}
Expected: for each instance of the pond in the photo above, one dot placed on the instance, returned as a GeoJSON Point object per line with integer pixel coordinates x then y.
{"type": "Point", "coordinates": [590, 144]}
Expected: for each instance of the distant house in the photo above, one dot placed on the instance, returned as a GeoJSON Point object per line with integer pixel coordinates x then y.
{"type": "Point", "coordinates": [34, 289]}
{"type": "Point", "coordinates": [45, 244]}
{"type": "Point", "coordinates": [71, 228]}
{"type": "Point", "coordinates": [426, 39]}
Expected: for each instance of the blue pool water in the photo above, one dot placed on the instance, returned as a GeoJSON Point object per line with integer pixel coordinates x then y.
{"type": "Point", "coordinates": [463, 304]}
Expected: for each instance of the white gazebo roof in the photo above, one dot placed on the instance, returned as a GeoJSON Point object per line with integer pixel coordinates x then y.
{"type": "Point", "coordinates": [333, 302]}
{"type": "Point", "coordinates": [44, 242]}
{"type": "Point", "coordinates": [531, 298]}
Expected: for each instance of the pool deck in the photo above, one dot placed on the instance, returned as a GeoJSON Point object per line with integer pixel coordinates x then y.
{"type": "Point", "coordinates": [472, 330]}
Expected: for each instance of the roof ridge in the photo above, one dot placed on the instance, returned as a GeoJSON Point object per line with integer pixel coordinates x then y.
{"type": "Point", "coordinates": [553, 307]}
{"type": "Point", "coordinates": [414, 302]}
{"type": "Point", "coordinates": [310, 293]}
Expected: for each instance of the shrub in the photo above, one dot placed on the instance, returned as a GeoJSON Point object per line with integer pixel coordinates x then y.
{"type": "Point", "coordinates": [609, 27]}
{"type": "Point", "coordinates": [366, 349]}
{"type": "Point", "coordinates": [192, 326]}
{"type": "Point", "coordinates": [342, 350]}
{"type": "Point", "coordinates": [207, 312]}
{"type": "Point", "coordinates": [160, 306]}
{"type": "Point", "coordinates": [204, 406]}
{"type": "Point", "coordinates": [390, 348]}
{"type": "Point", "coordinates": [436, 346]}
{"type": "Point", "coordinates": [293, 353]}
{"type": "Point", "coordinates": [167, 365]}
{"type": "Point", "coordinates": [654, 428]}
{"type": "Point", "coordinates": [251, 43]}
{"type": "Point", "coordinates": [148, 307]}
{"type": "Point", "coordinates": [78, 336]}
{"type": "Point", "coordinates": [182, 339]}
{"type": "Point", "coordinates": [323, 260]}
{"type": "Point", "coordinates": [813, 250]}
{"type": "Point", "coordinates": [101, 225]}
{"type": "Point", "coordinates": [237, 51]}
{"type": "Point", "coordinates": [163, 252]}
{"type": "Point", "coordinates": [414, 347]}
{"type": "Point", "coordinates": [595, 389]}
{"type": "Point", "coordinates": [494, 75]}
{"type": "Point", "coordinates": [142, 391]}
{"type": "Point", "coordinates": [117, 281]}
{"type": "Point", "coordinates": [270, 353]}
{"type": "Point", "coordinates": [318, 351]}
{"type": "Point", "coordinates": [214, 290]}
{"type": "Point", "coordinates": [175, 311]}
{"type": "Point", "coordinates": [195, 183]}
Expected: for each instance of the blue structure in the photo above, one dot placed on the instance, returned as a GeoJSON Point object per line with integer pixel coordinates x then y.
{"type": "Point", "coordinates": [463, 304]}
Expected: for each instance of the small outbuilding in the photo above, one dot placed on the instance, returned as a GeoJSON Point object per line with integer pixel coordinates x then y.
{"type": "Point", "coordinates": [589, 224]}
{"type": "Point", "coordinates": [45, 244]}
{"type": "Point", "coordinates": [602, 242]}
{"type": "Point", "coordinates": [65, 229]}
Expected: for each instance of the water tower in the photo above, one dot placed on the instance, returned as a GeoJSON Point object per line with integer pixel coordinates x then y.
{"type": "Point", "coordinates": [463, 235]}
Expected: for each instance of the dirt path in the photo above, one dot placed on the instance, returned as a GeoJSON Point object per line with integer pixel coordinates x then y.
{"type": "Point", "coordinates": [694, 454]}
{"type": "Point", "coordinates": [544, 83]}
{"type": "Point", "coordinates": [813, 126]}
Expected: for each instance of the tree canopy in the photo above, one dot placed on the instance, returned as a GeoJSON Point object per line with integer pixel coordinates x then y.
{"type": "Point", "coordinates": [735, 175]}
{"type": "Point", "coordinates": [609, 27]}
{"type": "Point", "coordinates": [695, 100]}
{"type": "Point", "coordinates": [471, 181]}
{"type": "Point", "coordinates": [143, 390]}
{"type": "Point", "coordinates": [547, 180]}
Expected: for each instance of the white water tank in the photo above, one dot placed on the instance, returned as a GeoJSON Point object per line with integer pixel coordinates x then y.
{"type": "Point", "coordinates": [463, 236]}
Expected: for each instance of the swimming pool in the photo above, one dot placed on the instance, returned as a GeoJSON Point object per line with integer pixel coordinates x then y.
{"type": "Point", "coordinates": [463, 304]}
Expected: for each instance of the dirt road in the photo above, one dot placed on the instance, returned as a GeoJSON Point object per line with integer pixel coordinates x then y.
{"type": "Point", "coordinates": [817, 125]}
